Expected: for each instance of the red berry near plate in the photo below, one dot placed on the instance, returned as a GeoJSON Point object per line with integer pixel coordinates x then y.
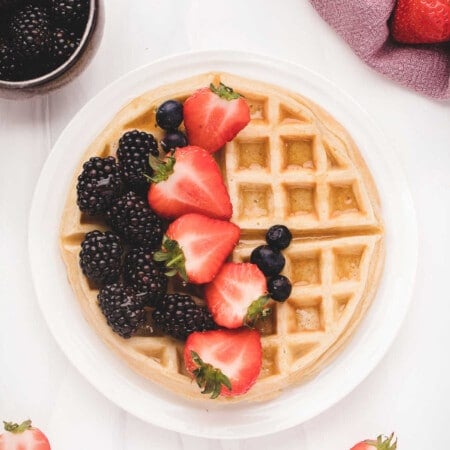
{"type": "Point", "coordinates": [238, 295]}
{"type": "Point", "coordinates": [23, 437]}
{"type": "Point", "coordinates": [381, 443]}
{"type": "Point", "coordinates": [189, 181]}
{"type": "Point", "coordinates": [224, 362]}
{"type": "Point", "coordinates": [421, 21]}
{"type": "Point", "coordinates": [196, 246]}
{"type": "Point", "coordinates": [214, 115]}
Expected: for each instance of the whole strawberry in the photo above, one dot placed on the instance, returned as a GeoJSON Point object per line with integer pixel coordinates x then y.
{"type": "Point", "coordinates": [381, 443]}
{"type": "Point", "coordinates": [421, 21]}
{"type": "Point", "coordinates": [23, 436]}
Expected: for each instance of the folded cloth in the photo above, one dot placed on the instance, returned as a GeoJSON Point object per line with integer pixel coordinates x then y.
{"type": "Point", "coordinates": [363, 24]}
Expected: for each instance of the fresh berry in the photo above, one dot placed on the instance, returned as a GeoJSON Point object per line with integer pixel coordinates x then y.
{"type": "Point", "coordinates": [189, 181]}
{"type": "Point", "coordinates": [196, 246]}
{"type": "Point", "coordinates": [135, 147]}
{"type": "Point", "coordinates": [381, 443]}
{"type": "Point", "coordinates": [224, 362]}
{"type": "Point", "coordinates": [30, 32]}
{"type": "Point", "coordinates": [98, 185]}
{"type": "Point", "coordinates": [421, 21]}
{"type": "Point", "coordinates": [101, 256]}
{"type": "Point", "coordinates": [23, 437]}
{"type": "Point", "coordinates": [269, 261]}
{"type": "Point", "coordinates": [278, 237]}
{"type": "Point", "coordinates": [123, 308]}
{"type": "Point", "coordinates": [145, 275]}
{"type": "Point", "coordinates": [279, 288]}
{"type": "Point", "coordinates": [10, 4]}
{"type": "Point", "coordinates": [132, 218]}
{"type": "Point", "coordinates": [73, 13]}
{"type": "Point", "coordinates": [173, 140]}
{"type": "Point", "coordinates": [169, 115]}
{"type": "Point", "coordinates": [238, 295]}
{"type": "Point", "coordinates": [213, 116]}
{"type": "Point", "coordinates": [10, 63]}
{"type": "Point", "coordinates": [179, 316]}
{"type": "Point", "coordinates": [63, 45]}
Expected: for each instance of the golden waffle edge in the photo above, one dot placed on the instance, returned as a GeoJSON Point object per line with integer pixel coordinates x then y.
{"type": "Point", "coordinates": [292, 164]}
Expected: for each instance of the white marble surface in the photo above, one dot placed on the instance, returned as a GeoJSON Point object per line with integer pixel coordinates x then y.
{"type": "Point", "coordinates": [409, 392]}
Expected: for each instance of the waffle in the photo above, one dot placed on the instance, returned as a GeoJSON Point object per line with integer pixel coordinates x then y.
{"type": "Point", "coordinates": [295, 165]}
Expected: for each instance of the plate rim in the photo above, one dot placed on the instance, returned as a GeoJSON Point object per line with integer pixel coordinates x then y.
{"type": "Point", "coordinates": [225, 57]}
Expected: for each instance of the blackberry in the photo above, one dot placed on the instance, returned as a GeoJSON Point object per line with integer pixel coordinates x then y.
{"type": "Point", "coordinates": [101, 256]}
{"type": "Point", "coordinates": [131, 217]}
{"type": "Point", "coordinates": [64, 43]}
{"type": "Point", "coordinates": [179, 316]}
{"type": "Point", "coordinates": [145, 275]}
{"type": "Point", "coordinates": [135, 147]}
{"type": "Point", "coordinates": [30, 32]}
{"type": "Point", "coordinates": [123, 308]}
{"type": "Point", "coordinates": [98, 185]}
{"type": "Point", "coordinates": [73, 13]}
{"type": "Point", "coordinates": [10, 64]}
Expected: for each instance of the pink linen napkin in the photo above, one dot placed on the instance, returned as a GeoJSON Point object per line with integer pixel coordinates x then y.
{"type": "Point", "coordinates": [363, 24]}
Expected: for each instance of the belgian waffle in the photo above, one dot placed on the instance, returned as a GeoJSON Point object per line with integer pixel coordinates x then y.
{"type": "Point", "coordinates": [294, 165]}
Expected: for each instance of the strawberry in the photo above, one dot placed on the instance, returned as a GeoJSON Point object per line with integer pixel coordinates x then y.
{"type": "Point", "coordinates": [237, 296]}
{"type": "Point", "coordinates": [188, 181]}
{"type": "Point", "coordinates": [196, 246]}
{"type": "Point", "coordinates": [421, 21]}
{"type": "Point", "coordinates": [382, 443]}
{"type": "Point", "coordinates": [23, 437]}
{"type": "Point", "coordinates": [214, 115]}
{"type": "Point", "coordinates": [224, 362]}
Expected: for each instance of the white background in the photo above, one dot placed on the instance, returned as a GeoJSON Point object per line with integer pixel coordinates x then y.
{"type": "Point", "coordinates": [409, 392]}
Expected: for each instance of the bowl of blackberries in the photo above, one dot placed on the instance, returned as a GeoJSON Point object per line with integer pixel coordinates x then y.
{"type": "Point", "coordinates": [45, 43]}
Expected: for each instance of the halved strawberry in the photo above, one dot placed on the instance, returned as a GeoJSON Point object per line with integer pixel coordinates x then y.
{"type": "Point", "coordinates": [23, 437]}
{"type": "Point", "coordinates": [238, 295]}
{"type": "Point", "coordinates": [196, 246]}
{"type": "Point", "coordinates": [224, 362]}
{"type": "Point", "coordinates": [189, 181]}
{"type": "Point", "coordinates": [214, 115]}
{"type": "Point", "coordinates": [421, 21]}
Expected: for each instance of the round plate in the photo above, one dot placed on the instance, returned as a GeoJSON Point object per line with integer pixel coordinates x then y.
{"type": "Point", "coordinates": [150, 402]}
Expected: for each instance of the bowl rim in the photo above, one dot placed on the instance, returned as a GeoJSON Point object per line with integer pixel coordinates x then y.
{"type": "Point", "coordinates": [63, 68]}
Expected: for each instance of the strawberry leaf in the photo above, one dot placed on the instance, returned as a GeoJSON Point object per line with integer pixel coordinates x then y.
{"type": "Point", "coordinates": [208, 377]}
{"type": "Point", "coordinates": [383, 443]}
{"type": "Point", "coordinates": [16, 428]}
{"type": "Point", "coordinates": [173, 258]}
{"type": "Point", "coordinates": [224, 92]}
{"type": "Point", "coordinates": [257, 310]}
{"type": "Point", "coordinates": [162, 169]}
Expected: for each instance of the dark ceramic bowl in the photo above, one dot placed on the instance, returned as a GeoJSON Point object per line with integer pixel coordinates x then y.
{"type": "Point", "coordinates": [70, 68]}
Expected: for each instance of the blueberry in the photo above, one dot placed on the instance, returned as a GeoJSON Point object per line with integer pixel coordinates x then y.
{"type": "Point", "coordinates": [268, 260]}
{"type": "Point", "coordinates": [278, 237]}
{"type": "Point", "coordinates": [169, 115]}
{"type": "Point", "coordinates": [173, 139]}
{"type": "Point", "coordinates": [279, 288]}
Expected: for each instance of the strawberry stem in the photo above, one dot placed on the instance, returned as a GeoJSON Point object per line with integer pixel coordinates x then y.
{"type": "Point", "coordinates": [224, 92]}
{"type": "Point", "coordinates": [257, 310]}
{"type": "Point", "coordinates": [209, 377]}
{"type": "Point", "coordinates": [16, 428]}
{"type": "Point", "coordinates": [171, 254]}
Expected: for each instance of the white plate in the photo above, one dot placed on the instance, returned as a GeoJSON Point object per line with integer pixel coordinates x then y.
{"type": "Point", "coordinates": [139, 396]}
